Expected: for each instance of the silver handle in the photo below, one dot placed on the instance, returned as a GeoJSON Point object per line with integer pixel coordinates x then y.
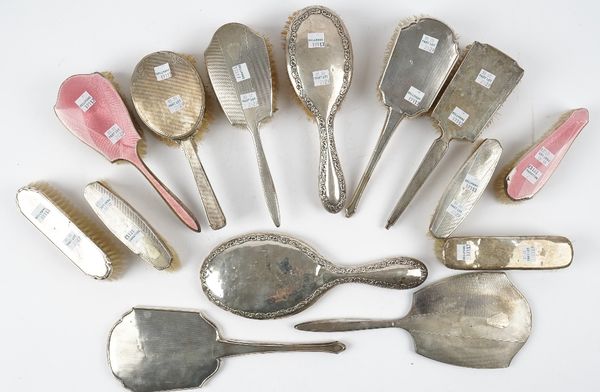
{"type": "Point", "coordinates": [230, 347]}
{"type": "Point", "coordinates": [394, 273]}
{"type": "Point", "coordinates": [332, 187]}
{"type": "Point", "coordinates": [433, 157]}
{"type": "Point", "coordinates": [266, 179]}
{"type": "Point", "coordinates": [391, 123]}
{"type": "Point", "coordinates": [216, 218]}
{"type": "Point", "coordinates": [341, 325]}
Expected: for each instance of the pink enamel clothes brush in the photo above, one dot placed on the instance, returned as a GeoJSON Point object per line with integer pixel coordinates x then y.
{"type": "Point", "coordinates": [533, 169]}
{"type": "Point", "coordinates": [91, 108]}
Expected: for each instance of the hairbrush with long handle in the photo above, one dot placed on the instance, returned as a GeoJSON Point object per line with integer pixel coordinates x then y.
{"type": "Point", "coordinates": [90, 107]}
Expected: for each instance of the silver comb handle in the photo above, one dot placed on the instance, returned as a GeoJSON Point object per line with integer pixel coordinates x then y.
{"type": "Point", "coordinates": [332, 187]}
{"type": "Point", "coordinates": [214, 214]}
{"type": "Point", "coordinates": [433, 157]}
{"type": "Point", "coordinates": [391, 123]}
{"type": "Point", "coordinates": [265, 177]}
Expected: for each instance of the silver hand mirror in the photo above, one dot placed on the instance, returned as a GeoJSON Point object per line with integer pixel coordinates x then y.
{"type": "Point", "coordinates": [152, 349]}
{"type": "Point", "coordinates": [319, 64]}
{"type": "Point", "coordinates": [265, 276]}
{"type": "Point", "coordinates": [477, 320]}
{"type": "Point", "coordinates": [420, 60]}
{"type": "Point", "coordinates": [239, 69]}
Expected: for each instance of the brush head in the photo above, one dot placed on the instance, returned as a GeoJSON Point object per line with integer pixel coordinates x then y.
{"type": "Point", "coordinates": [90, 248]}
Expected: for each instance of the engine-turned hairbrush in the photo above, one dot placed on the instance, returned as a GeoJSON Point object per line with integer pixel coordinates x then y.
{"type": "Point", "coordinates": [90, 107]}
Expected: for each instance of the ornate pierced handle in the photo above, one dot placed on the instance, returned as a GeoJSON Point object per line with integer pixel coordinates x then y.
{"type": "Point", "coordinates": [332, 187]}
{"type": "Point", "coordinates": [216, 218]}
{"type": "Point", "coordinates": [395, 273]}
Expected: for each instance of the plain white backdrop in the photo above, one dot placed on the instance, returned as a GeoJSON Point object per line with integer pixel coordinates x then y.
{"type": "Point", "coordinates": [56, 321]}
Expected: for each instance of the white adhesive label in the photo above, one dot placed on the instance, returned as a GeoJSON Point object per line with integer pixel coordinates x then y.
{"type": "Point", "coordinates": [316, 40]}
{"type": "Point", "coordinates": [240, 72]}
{"type": "Point", "coordinates": [162, 72]}
{"type": "Point", "coordinates": [455, 209]}
{"type": "Point", "coordinates": [72, 240]}
{"type": "Point", "coordinates": [428, 43]}
{"type": "Point", "coordinates": [321, 78]}
{"type": "Point", "coordinates": [458, 116]}
{"type": "Point", "coordinates": [85, 101]}
{"type": "Point", "coordinates": [464, 252]}
{"type": "Point", "coordinates": [40, 213]}
{"type": "Point", "coordinates": [544, 156]}
{"type": "Point", "coordinates": [414, 95]}
{"type": "Point", "coordinates": [249, 100]}
{"type": "Point", "coordinates": [114, 133]}
{"type": "Point", "coordinates": [532, 174]}
{"type": "Point", "coordinates": [174, 103]}
{"type": "Point", "coordinates": [134, 235]}
{"type": "Point", "coordinates": [471, 183]}
{"type": "Point", "coordinates": [104, 203]}
{"type": "Point", "coordinates": [529, 254]}
{"type": "Point", "coordinates": [485, 78]}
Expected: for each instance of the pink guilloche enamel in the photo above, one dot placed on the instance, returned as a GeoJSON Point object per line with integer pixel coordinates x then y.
{"type": "Point", "coordinates": [91, 126]}
{"type": "Point", "coordinates": [535, 167]}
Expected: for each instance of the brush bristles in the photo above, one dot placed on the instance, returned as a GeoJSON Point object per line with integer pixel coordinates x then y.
{"type": "Point", "coordinates": [274, 76]}
{"type": "Point", "coordinates": [438, 249]}
{"type": "Point", "coordinates": [91, 229]}
{"type": "Point", "coordinates": [175, 261]}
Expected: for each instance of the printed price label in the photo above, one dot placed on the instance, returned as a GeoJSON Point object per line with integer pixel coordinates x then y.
{"type": "Point", "coordinates": [85, 101]}
{"type": "Point", "coordinates": [249, 100]}
{"type": "Point", "coordinates": [428, 43]}
{"type": "Point", "coordinates": [240, 72]}
{"type": "Point", "coordinates": [316, 40]}
{"type": "Point", "coordinates": [72, 240]}
{"type": "Point", "coordinates": [162, 72]}
{"type": "Point", "coordinates": [529, 254]}
{"type": "Point", "coordinates": [321, 78]}
{"type": "Point", "coordinates": [414, 96]}
{"type": "Point", "coordinates": [40, 213]}
{"type": "Point", "coordinates": [532, 174]}
{"type": "Point", "coordinates": [134, 235]}
{"type": "Point", "coordinates": [104, 203]}
{"type": "Point", "coordinates": [458, 116]}
{"type": "Point", "coordinates": [464, 252]}
{"type": "Point", "coordinates": [544, 156]}
{"type": "Point", "coordinates": [114, 133]}
{"type": "Point", "coordinates": [485, 78]}
{"type": "Point", "coordinates": [471, 183]}
{"type": "Point", "coordinates": [455, 209]}
{"type": "Point", "coordinates": [174, 103]}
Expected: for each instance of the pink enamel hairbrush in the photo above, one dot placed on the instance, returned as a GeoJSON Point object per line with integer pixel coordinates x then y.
{"type": "Point", "coordinates": [91, 108]}
{"type": "Point", "coordinates": [532, 170]}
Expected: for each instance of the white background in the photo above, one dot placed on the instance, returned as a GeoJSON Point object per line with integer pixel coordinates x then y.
{"type": "Point", "coordinates": [55, 320]}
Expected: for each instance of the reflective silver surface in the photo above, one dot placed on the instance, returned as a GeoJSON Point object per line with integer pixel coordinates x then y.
{"type": "Point", "coordinates": [421, 58]}
{"type": "Point", "coordinates": [264, 275]}
{"type": "Point", "coordinates": [481, 84]}
{"type": "Point", "coordinates": [319, 64]}
{"type": "Point", "coordinates": [477, 320]}
{"type": "Point", "coordinates": [493, 253]}
{"type": "Point", "coordinates": [49, 218]}
{"type": "Point", "coordinates": [239, 68]}
{"type": "Point", "coordinates": [127, 225]}
{"type": "Point", "coordinates": [465, 189]}
{"type": "Point", "coordinates": [153, 349]}
{"type": "Point", "coordinates": [173, 107]}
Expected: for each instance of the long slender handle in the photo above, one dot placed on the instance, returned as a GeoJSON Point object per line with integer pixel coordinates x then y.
{"type": "Point", "coordinates": [393, 273]}
{"type": "Point", "coordinates": [230, 347]}
{"type": "Point", "coordinates": [182, 212]}
{"type": "Point", "coordinates": [216, 218]}
{"type": "Point", "coordinates": [332, 187]}
{"type": "Point", "coordinates": [266, 179]}
{"type": "Point", "coordinates": [391, 123]}
{"type": "Point", "coordinates": [433, 157]}
{"type": "Point", "coordinates": [341, 325]}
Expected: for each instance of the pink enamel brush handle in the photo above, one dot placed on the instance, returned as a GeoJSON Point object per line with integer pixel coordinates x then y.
{"type": "Point", "coordinates": [176, 205]}
{"type": "Point", "coordinates": [537, 166]}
